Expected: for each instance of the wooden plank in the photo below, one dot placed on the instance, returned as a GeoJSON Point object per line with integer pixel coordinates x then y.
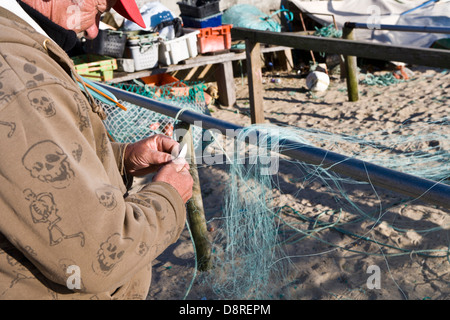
{"type": "Point", "coordinates": [414, 55]}
{"type": "Point", "coordinates": [254, 76]}
{"type": "Point", "coordinates": [198, 61]}
{"type": "Point", "coordinates": [204, 60]}
{"type": "Point", "coordinates": [187, 64]}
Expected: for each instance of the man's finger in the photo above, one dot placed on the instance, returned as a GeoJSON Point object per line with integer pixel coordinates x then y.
{"type": "Point", "coordinates": [166, 144]}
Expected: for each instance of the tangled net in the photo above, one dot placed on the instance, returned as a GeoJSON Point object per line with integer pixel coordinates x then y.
{"type": "Point", "coordinates": [266, 224]}
{"type": "Point", "coordinates": [259, 221]}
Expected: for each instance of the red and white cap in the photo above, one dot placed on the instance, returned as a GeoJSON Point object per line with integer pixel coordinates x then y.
{"type": "Point", "coordinates": [129, 10]}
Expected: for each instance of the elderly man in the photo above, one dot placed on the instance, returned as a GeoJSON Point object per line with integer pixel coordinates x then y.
{"type": "Point", "coordinates": [68, 227]}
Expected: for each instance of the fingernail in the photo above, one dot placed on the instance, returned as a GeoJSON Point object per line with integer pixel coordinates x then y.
{"type": "Point", "coordinates": [179, 164]}
{"type": "Point", "coordinates": [179, 169]}
{"type": "Point", "coordinates": [175, 152]}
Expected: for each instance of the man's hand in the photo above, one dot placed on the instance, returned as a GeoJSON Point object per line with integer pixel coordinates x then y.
{"type": "Point", "coordinates": [176, 173]}
{"type": "Point", "coordinates": [155, 153]}
{"type": "Point", "coordinates": [147, 155]}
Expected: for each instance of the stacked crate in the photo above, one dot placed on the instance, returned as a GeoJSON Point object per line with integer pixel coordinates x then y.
{"type": "Point", "coordinates": [142, 47]}
{"type": "Point", "coordinates": [129, 50]}
{"type": "Point", "coordinates": [200, 13]}
{"type": "Point", "coordinates": [206, 17]}
{"type": "Point", "coordinates": [178, 49]}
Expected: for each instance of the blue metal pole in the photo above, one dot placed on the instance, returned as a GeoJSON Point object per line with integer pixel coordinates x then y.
{"type": "Point", "coordinates": [393, 27]}
{"type": "Point", "coordinates": [418, 188]}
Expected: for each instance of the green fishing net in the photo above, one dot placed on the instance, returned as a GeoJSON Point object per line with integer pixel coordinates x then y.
{"type": "Point", "coordinates": [137, 123]}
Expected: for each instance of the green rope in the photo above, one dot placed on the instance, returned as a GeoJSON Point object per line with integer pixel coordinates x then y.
{"type": "Point", "coordinates": [337, 226]}
{"type": "Point", "coordinates": [328, 32]}
{"type": "Point", "coordinates": [383, 80]}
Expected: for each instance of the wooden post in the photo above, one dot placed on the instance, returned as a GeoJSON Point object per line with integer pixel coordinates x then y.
{"type": "Point", "coordinates": [225, 83]}
{"type": "Point", "coordinates": [254, 75]}
{"type": "Point", "coordinates": [195, 211]}
{"type": "Point", "coordinates": [351, 67]}
{"type": "Point", "coordinates": [285, 58]}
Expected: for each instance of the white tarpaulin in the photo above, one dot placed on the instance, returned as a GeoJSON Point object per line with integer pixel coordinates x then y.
{"type": "Point", "coordinates": [392, 12]}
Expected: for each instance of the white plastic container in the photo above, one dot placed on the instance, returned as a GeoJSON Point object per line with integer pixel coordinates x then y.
{"type": "Point", "coordinates": [144, 56]}
{"type": "Point", "coordinates": [125, 65]}
{"type": "Point", "coordinates": [178, 49]}
{"type": "Point", "coordinates": [142, 47]}
{"type": "Point", "coordinates": [317, 81]}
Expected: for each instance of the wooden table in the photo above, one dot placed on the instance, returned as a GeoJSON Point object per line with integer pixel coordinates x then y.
{"type": "Point", "coordinates": [224, 75]}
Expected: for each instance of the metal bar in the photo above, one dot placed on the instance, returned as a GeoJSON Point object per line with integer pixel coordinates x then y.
{"type": "Point", "coordinates": [418, 188]}
{"type": "Point", "coordinates": [170, 110]}
{"type": "Point", "coordinates": [393, 27]}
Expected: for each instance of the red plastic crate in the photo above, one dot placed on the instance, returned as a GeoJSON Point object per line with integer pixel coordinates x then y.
{"type": "Point", "coordinates": [214, 38]}
{"type": "Point", "coordinates": [159, 79]}
{"type": "Point", "coordinates": [168, 86]}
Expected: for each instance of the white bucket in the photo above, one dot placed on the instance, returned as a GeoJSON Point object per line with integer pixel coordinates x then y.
{"type": "Point", "coordinates": [317, 81]}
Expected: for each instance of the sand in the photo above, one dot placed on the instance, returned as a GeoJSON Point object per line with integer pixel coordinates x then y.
{"type": "Point", "coordinates": [343, 270]}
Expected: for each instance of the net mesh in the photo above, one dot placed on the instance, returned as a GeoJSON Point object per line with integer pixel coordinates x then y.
{"type": "Point", "coordinates": [138, 123]}
{"type": "Point", "coordinates": [266, 225]}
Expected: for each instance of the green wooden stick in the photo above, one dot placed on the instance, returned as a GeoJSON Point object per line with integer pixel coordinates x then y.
{"type": "Point", "coordinates": [195, 210]}
{"type": "Point", "coordinates": [351, 68]}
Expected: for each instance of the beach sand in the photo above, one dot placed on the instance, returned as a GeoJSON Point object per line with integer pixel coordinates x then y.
{"type": "Point", "coordinates": [335, 266]}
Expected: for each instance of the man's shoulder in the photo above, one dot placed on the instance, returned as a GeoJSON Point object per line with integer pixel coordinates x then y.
{"type": "Point", "coordinates": [26, 70]}
{"type": "Point", "coordinates": [14, 30]}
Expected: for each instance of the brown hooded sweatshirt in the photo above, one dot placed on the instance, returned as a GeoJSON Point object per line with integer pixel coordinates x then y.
{"type": "Point", "coordinates": [67, 228]}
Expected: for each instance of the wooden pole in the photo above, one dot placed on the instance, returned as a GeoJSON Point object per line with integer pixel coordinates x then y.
{"type": "Point", "coordinates": [254, 75]}
{"type": "Point", "coordinates": [195, 210]}
{"type": "Point", "coordinates": [351, 68]}
{"type": "Point", "coordinates": [304, 29]}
